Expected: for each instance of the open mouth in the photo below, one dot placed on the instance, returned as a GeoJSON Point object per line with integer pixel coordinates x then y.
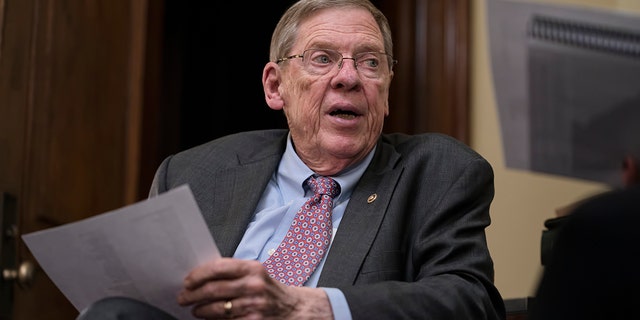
{"type": "Point", "coordinates": [344, 114]}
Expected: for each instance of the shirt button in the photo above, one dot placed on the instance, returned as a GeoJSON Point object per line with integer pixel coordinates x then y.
{"type": "Point", "coordinates": [271, 251]}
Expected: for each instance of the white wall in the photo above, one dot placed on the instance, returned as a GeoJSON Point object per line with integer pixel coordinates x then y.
{"type": "Point", "coordinates": [523, 200]}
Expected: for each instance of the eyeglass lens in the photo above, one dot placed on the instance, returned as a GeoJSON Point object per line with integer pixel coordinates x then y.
{"type": "Point", "coordinates": [322, 61]}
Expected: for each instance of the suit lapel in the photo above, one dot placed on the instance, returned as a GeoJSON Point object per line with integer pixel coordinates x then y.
{"type": "Point", "coordinates": [232, 212]}
{"type": "Point", "coordinates": [362, 219]}
{"type": "Point", "coordinates": [237, 192]}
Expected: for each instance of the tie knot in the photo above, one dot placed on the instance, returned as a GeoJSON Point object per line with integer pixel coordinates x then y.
{"type": "Point", "coordinates": [324, 185]}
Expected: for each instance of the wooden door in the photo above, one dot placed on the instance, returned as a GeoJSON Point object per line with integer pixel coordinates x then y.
{"type": "Point", "coordinates": [71, 75]}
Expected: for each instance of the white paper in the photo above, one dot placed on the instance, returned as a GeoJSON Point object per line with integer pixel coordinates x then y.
{"type": "Point", "coordinates": [141, 251]}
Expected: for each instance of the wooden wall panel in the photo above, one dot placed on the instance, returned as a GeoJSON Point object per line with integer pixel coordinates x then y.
{"type": "Point", "coordinates": [430, 91]}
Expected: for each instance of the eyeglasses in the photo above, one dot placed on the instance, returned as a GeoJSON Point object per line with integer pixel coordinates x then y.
{"type": "Point", "coordinates": [322, 61]}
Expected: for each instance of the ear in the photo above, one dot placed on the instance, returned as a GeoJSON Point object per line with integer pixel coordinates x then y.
{"type": "Point", "coordinates": [630, 173]}
{"type": "Point", "coordinates": [271, 85]}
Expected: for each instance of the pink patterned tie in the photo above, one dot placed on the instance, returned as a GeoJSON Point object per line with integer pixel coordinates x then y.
{"type": "Point", "coordinates": [308, 238]}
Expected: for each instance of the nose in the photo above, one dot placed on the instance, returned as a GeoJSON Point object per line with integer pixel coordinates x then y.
{"type": "Point", "coordinates": [346, 77]}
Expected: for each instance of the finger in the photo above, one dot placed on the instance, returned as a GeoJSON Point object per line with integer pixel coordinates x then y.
{"type": "Point", "coordinates": [215, 289]}
{"type": "Point", "coordinates": [208, 292]}
{"type": "Point", "coordinates": [224, 309]}
{"type": "Point", "coordinates": [218, 269]}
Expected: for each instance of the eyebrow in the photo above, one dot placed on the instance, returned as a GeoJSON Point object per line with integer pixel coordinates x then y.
{"type": "Point", "coordinates": [365, 47]}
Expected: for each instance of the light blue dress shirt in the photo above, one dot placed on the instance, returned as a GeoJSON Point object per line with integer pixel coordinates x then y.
{"type": "Point", "coordinates": [284, 195]}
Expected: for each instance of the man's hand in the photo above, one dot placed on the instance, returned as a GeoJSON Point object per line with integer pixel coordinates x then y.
{"type": "Point", "coordinates": [228, 288]}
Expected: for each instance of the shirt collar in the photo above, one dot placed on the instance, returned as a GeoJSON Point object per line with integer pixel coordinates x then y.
{"type": "Point", "coordinates": [292, 173]}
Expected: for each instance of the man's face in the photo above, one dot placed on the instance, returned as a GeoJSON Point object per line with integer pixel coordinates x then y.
{"type": "Point", "coordinates": [337, 117]}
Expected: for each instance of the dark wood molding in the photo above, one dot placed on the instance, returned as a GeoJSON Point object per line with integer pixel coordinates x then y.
{"type": "Point", "coordinates": [430, 90]}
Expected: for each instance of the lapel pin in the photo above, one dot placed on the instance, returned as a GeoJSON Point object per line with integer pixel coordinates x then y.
{"type": "Point", "coordinates": [372, 198]}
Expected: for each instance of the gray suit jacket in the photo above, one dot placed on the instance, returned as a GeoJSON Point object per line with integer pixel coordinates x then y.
{"type": "Point", "coordinates": [417, 252]}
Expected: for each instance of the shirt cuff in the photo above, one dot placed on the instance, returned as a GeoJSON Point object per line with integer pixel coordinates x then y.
{"type": "Point", "coordinates": [339, 304]}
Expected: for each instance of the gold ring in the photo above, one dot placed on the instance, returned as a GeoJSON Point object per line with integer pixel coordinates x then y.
{"type": "Point", "coordinates": [227, 307]}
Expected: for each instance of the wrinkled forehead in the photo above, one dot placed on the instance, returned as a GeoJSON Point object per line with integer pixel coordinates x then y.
{"type": "Point", "coordinates": [343, 29]}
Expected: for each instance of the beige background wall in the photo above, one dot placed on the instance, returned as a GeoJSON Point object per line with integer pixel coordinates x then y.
{"type": "Point", "coordinates": [523, 200]}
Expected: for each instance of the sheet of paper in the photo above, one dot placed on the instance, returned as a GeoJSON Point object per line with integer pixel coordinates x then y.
{"type": "Point", "coordinates": [142, 251]}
